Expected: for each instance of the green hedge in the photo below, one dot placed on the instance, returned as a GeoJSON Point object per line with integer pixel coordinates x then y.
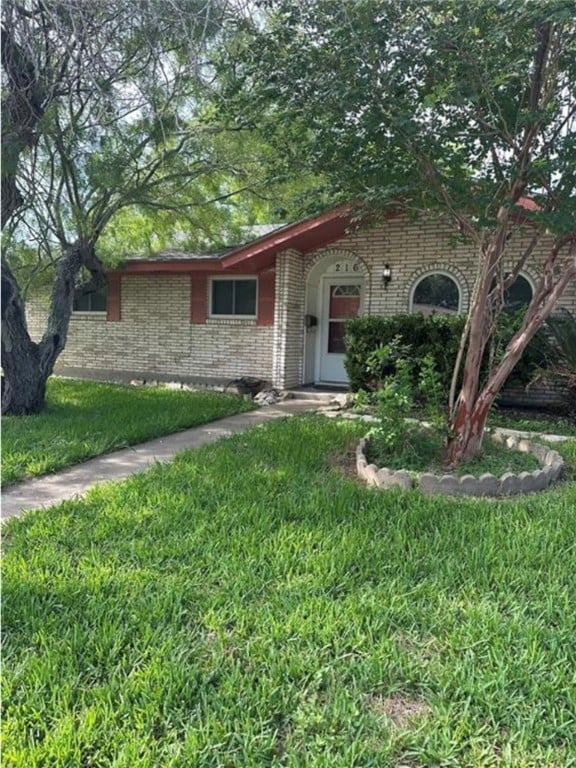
{"type": "Point", "coordinates": [438, 335]}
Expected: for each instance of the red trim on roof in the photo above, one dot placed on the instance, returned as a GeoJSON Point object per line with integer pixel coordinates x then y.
{"type": "Point", "coordinates": [252, 258]}
{"type": "Point", "coordinates": [528, 204]}
{"type": "Point", "coordinates": [304, 236]}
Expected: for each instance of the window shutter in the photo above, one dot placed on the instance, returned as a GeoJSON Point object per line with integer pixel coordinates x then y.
{"type": "Point", "coordinates": [266, 295]}
{"type": "Point", "coordinates": [198, 299]}
{"type": "Point", "coordinates": [113, 298]}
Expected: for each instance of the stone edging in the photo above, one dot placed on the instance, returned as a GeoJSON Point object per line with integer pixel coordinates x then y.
{"type": "Point", "coordinates": [468, 485]}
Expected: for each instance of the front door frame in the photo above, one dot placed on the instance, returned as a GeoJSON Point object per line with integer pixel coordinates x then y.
{"type": "Point", "coordinates": [326, 282]}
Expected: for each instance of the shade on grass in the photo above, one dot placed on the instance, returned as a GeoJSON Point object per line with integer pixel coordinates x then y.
{"type": "Point", "coordinates": [250, 605]}
{"type": "Point", "coordinates": [533, 421]}
{"type": "Point", "coordinates": [85, 418]}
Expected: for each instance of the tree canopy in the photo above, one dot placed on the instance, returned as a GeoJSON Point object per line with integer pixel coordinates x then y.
{"type": "Point", "coordinates": [431, 104]}
{"type": "Point", "coordinates": [466, 110]}
{"type": "Point", "coordinates": [102, 113]}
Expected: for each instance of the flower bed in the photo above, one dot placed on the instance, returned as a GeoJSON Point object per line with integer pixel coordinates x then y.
{"type": "Point", "coordinates": [468, 485]}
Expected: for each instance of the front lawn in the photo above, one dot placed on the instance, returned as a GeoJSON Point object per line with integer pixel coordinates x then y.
{"type": "Point", "coordinates": [85, 418]}
{"type": "Point", "coordinates": [532, 421]}
{"type": "Point", "coordinates": [251, 604]}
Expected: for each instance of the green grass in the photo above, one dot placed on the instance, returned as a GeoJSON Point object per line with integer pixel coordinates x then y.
{"type": "Point", "coordinates": [533, 421]}
{"type": "Point", "coordinates": [524, 420]}
{"type": "Point", "coordinates": [84, 419]}
{"type": "Point", "coordinates": [422, 450]}
{"type": "Point", "coordinates": [251, 605]}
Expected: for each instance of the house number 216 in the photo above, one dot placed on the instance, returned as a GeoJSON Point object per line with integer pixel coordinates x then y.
{"type": "Point", "coordinates": [346, 267]}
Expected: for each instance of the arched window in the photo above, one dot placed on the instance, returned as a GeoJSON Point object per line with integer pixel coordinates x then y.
{"type": "Point", "coordinates": [519, 294]}
{"type": "Point", "coordinates": [436, 293]}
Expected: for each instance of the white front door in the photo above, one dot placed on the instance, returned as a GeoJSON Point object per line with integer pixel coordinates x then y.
{"type": "Point", "coordinates": [341, 299]}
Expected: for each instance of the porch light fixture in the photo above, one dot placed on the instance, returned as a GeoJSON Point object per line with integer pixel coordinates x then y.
{"type": "Point", "coordinates": [386, 275]}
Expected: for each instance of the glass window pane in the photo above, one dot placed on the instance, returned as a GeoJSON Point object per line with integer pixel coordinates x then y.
{"type": "Point", "coordinates": [346, 290]}
{"type": "Point", "coordinates": [436, 293]}
{"type": "Point", "coordinates": [344, 301]}
{"type": "Point", "coordinates": [222, 297]}
{"type": "Point", "coordinates": [245, 297]}
{"type": "Point", "coordinates": [519, 294]}
{"type": "Point", "coordinates": [81, 302]}
{"type": "Point", "coordinates": [98, 300]}
{"type": "Point", "coordinates": [94, 301]}
{"type": "Point", "coordinates": [336, 337]}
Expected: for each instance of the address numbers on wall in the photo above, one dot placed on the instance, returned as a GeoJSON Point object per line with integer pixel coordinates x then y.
{"type": "Point", "coordinates": [344, 267]}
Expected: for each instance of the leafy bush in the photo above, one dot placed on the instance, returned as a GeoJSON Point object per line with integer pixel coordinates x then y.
{"type": "Point", "coordinates": [395, 405]}
{"type": "Point", "coordinates": [399, 442]}
{"type": "Point", "coordinates": [540, 354]}
{"type": "Point", "coordinates": [437, 336]}
{"type": "Point", "coordinates": [385, 360]}
{"type": "Point", "coordinates": [561, 327]}
{"type": "Point", "coordinates": [395, 436]}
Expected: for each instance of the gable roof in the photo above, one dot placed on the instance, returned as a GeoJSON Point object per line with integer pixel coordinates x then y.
{"type": "Point", "coordinates": [308, 235]}
{"type": "Point", "coordinates": [303, 236]}
{"type": "Point", "coordinates": [259, 254]}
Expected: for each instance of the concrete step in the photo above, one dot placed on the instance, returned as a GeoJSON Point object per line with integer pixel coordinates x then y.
{"type": "Point", "coordinates": [318, 395]}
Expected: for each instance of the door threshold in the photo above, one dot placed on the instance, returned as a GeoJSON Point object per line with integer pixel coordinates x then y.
{"type": "Point", "coordinates": [333, 386]}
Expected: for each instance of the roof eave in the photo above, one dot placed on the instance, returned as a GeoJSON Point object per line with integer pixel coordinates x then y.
{"type": "Point", "coordinates": [261, 251]}
{"type": "Point", "coordinates": [168, 267]}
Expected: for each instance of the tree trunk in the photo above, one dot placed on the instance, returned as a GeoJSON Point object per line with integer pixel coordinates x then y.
{"type": "Point", "coordinates": [23, 383]}
{"type": "Point", "coordinates": [466, 422]}
{"type": "Point", "coordinates": [468, 429]}
{"type": "Point", "coordinates": [469, 421]}
{"type": "Point", "coordinates": [27, 364]}
{"type": "Point", "coordinates": [23, 106]}
{"type": "Point", "coordinates": [24, 380]}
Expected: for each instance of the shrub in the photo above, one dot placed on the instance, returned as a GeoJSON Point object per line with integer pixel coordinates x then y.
{"type": "Point", "coordinates": [395, 435]}
{"type": "Point", "coordinates": [540, 353]}
{"type": "Point", "coordinates": [395, 404]}
{"type": "Point", "coordinates": [436, 336]}
{"type": "Point", "coordinates": [561, 327]}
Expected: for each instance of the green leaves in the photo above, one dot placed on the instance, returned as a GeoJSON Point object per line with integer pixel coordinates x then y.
{"type": "Point", "coordinates": [419, 97]}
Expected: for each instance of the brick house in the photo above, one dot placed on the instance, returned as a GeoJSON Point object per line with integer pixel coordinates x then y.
{"type": "Point", "coordinates": [273, 308]}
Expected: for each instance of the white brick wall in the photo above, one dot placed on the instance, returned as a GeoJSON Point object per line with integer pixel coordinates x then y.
{"type": "Point", "coordinates": [155, 336]}
{"type": "Point", "coordinates": [289, 320]}
{"type": "Point", "coordinates": [412, 248]}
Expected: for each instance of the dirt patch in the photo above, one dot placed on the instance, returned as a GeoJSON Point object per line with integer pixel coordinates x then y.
{"type": "Point", "coordinates": [282, 738]}
{"type": "Point", "coordinates": [401, 711]}
{"type": "Point", "coordinates": [345, 462]}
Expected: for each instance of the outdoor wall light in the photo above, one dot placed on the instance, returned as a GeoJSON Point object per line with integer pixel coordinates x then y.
{"type": "Point", "coordinates": [386, 275]}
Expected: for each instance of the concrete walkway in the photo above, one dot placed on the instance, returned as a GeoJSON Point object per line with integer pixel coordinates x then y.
{"type": "Point", "coordinates": [112, 467]}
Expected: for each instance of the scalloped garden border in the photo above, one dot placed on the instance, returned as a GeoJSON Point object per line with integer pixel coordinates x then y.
{"type": "Point", "coordinates": [508, 484]}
